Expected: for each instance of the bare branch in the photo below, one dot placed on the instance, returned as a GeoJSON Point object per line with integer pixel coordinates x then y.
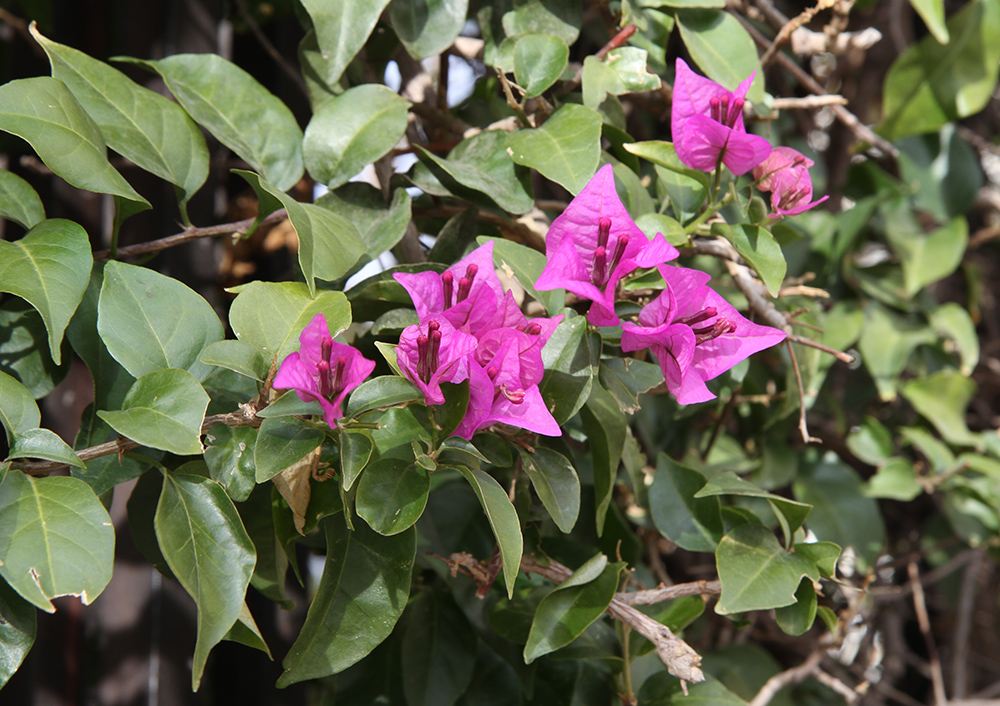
{"type": "Point", "coordinates": [790, 676]}
{"type": "Point", "coordinates": [651, 596]}
{"type": "Point", "coordinates": [920, 606]}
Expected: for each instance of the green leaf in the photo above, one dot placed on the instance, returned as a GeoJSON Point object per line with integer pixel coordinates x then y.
{"type": "Point", "coordinates": [931, 257]}
{"type": "Point", "coordinates": [43, 112]}
{"type": "Point", "coordinates": [526, 265]}
{"type": "Point", "coordinates": [622, 71]}
{"type": "Point", "coordinates": [952, 321]}
{"type": "Point", "coordinates": [569, 363]}
{"type": "Point", "coordinates": [761, 251]}
{"type": "Point", "coordinates": [937, 453]}
{"type": "Point", "coordinates": [229, 455]}
{"type": "Point", "coordinates": [24, 349]}
{"type": "Point", "coordinates": [427, 27]}
{"type": "Point", "coordinates": [503, 519]}
{"type": "Point", "coordinates": [795, 619]}
{"type": "Point", "coordinates": [790, 514]}
{"type": "Point", "coordinates": [691, 522]}
{"type": "Point", "coordinates": [380, 226]}
{"type": "Point", "coordinates": [243, 115]}
{"type": "Point", "coordinates": [392, 494]}
{"type": "Point", "coordinates": [756, 572]}
{"type": "Point", "coordinates": [342, 28]}
{"type": "Point", "coordinates": [355, 451]}
{"type": "Point", "coordinates": [627, 378]}
{"type": "Point", "coordinates": [871, 442]}
{"type": "Point", "coordinates": [653, 223]}
{"type": "Point", "coordinates": [381, 392]}
{"type": "Point", "coordinates": [572, 606]}
{"type": "Point", "coordinates": [237, 356]}
{"type": "Point", "coordinates": [270, 315]}
{"type": "Point", "coordinates": [141, 510]}
{"type": "Point", "coordinates": [282, 441]}
{"type": "Point", "coordinates": [328, 245]}
{"type": "Point", "coordinates": [50, 268]}
{"type": "Point", "coordinates": [557, 485]}
{"type": "Point", "coordinates": [664, 154]}
{"type": "Point", "coordinates": [932, 13]}
{"type": "Point", "coordinates": [943, 169]}
{"type": "Point", "coordinates": [896, 479]}
{"type": "Point", "coordinates": [841, 513]}
{"type": "Point", "coordinates": [561, 18]}
{"type": "Point", "coordinates": [438, 651]}
{"type": "Point", "coordinates": [164, 410]}
{"type": "Point", "coordinates": [56, 539]}
{"type": "Point", "coordinates": [823, 554]}
{"type": "Point", "coordinates": [941, 398]}
{"type": "Point", "coordinates": [482, 163]}
{"type": "Point", "coordinates": [45, 444]}
{"type": "Point", "coordinates": [539, 60]}
{"type": "Point", "coordinates": [142, 126]}
{"type": "Point", "coordinates": [565, 149]}
{"type": "Point", "coordinates": [686, 194]}
{"type": "Point", "coordinates": [17, 631]}
{"type": "Point", "coordinates": [210, 553]}
{"type": "Point", "coordinates": [150, 321]}
{"type": "Point", "coordinates": [352, 130]}
{"type": "Point", "coordinates": [18, 409]}
{"type": "Point", "coordinates": [271, 569]}
{"type": "Point", "coordinates": [886, 344]}
{"type": "Point", "coordinates": [246, 632]}
{"type": "Point", "coordinates": [361, 594]}
{"type": "Point", "coordinates": [605, 426]}
{"type": "Point", "coordinates": [931, 84]}
{"type": "Point", "coordinates": [722, 48]}
{"type": "Point", "coordinates": [19, 202]}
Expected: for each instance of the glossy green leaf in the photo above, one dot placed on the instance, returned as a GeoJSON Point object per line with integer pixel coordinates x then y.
{"type": "Point", "coordinates": [556, 483]}
{"type": "Point", "coordinates": [572, 606]}
{"type": "Point", "coordinates": [141, 510]}
{"type": "Point", "coordinates": [561, 18]}
{"type": "Point", "coordinates": [605, 426]}
{"type": "Point", "coordinates": [17, 631]}
{"type": "Point", "coordinates": [328, 245]}
{"type": "Point", "coordinates": [539, 60]}
{"type": "Point", "coordinates": [886, 344]}
{"type": "Point", "coordinates": [427, 27]}
{"type": "Point", "coordinates": [44, 444]}
{"type": "Point", "coordinates": [721, 48]}
{"type": "Point", "coordinates": [18, 409]}
{"type": "Point", "coordinates": [243, 115]}
{"type": "Point", "coordinates": [271, 569]}
{"type": "Point", "coordinates": [361, 594]}
{"type": "Point", "coordinates": [381, 392]}
{"type": "Point", "coordinates": [944, 169]}
{"type": "Point", "coordinates": [565, 149]}
{"type": "Point", "coordinates": [163, 409]}
{"type": "Point", "coordinates": [150, 321]}
{"type": "Point", "coordinates": [144, 127]}
{"type": "Point", "coordinates": [392, 494]}
{"type": "Point", "coordinates": [686, 194]}
{"type": "Point", "coordinates": [569, 368]}
{"type": "Point", "coordinates": [56, 539]}
{"type": "Point", "coordinates": [270, 316]}
{"type": "Point", "coordinates": [19, 202]}
{"type": "Point", "coordinates": [663, 689]}
{"type": "Point", "coordinates": [237, 356]}
{"type": "Point", "coordinates": [931, 257]}
{"type": "Point", "coordinates": [282, 441]}
{"type": "Point", "coordinates": [49, 267]}
{"type": "Point", "coordinates": [229, 455]}
{"type": "Point", "coordinates": [482, 163]}
{"type": "Point", "coordinates": [953, 322]}
{"type": "Point", "coordinates": [104, 472]}
{"type": "Point", "coordinates": [657, 223]}
{"type": "Point", "coordinates": [942, 398]}
{"type": "Point", "coordinates": [43, 112]}
{"type": "Point", "coordinates": [664, 154]}
{"type": "Point", "coordinates": [761, 251]}
{"type": "Point", "coordinates": [622, 71]}
{"type": "Point", "coordinates": [210, 553]}
{"type": "Point", "coordinates": [896, 479]}
{"type": "Point", "coordinates": [24, 349]}
{"type": "Point", "coordinates": [342, 28]}
{"type": "Point", "coordinates": [841, 513]}
{"type": "Point", "coordinates": [931, 84]}
{"type": "Point", "coordinates": [439, 651]}
{"type": "Point", "coordinates": [380, 225]}
{"type": "Point", "coordinates": [503, 519]}
{"type": "Point", "coordinates": [756, 572]}
{"type": "Point", "coordinates": [355, 451]}
{"type": "Point", "coordinates": [823, 554]}
{"type": "Point", "coordinates": [798, 617]}
{"type": "Point", "coordinates": [937, 453]}
{"type": "Point", "coordinates": [932, 13]}
{"type": "Point", "coordinates": [627, 378]}
{"type": "Point", "coordinates": [690, 522]}
{"type": "Point", "coordinates": [352, 130]}
{"type": "Point", "coordinates": [790, 514]}
{"type": "Point", "coordinates": [246, 632]}
{"type": "Point", "coordinates": [871, 441]}
{"type": "Point", "coordinates": [526, 264]}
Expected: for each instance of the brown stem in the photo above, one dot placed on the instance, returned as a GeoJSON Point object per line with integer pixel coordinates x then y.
{"type": "Point", "coordinates": [790, 676]}
{"type": "Point", "coordinates": [923, 620]}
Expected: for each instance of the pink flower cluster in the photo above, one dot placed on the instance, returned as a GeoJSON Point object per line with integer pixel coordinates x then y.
{"type": "Point", "coordinates": [470, 329]}
{"type": "Point", "coordinates": [706, 121]}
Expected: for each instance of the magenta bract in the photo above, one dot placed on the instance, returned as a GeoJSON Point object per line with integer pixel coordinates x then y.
{"type": "Point", "coordinates": [785, 173]}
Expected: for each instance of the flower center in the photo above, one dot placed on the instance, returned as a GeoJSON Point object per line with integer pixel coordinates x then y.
{"type": "Point", "coordinates": [720, 327]}
{"type": "Point", "coordinates": [515, 396]}
{"type": "Point", "coordinates": [602, 267]}
{"type": "Point", "coordinates": [464, 286]}
{"type": "Point", "coordinates": [725, 110]}
{"type": "Point", "coordinates": [428, 348]}
{"type": "Point", "coordinates": [331, 381]}
{"type": "Point", "coordinates": [791, 197]}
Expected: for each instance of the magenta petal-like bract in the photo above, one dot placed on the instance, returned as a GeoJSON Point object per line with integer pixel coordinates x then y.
{"type": "Point", "coordinates": [706, 122]}
{"type": "Point", "coordinates": [322, 369]}
{"type": "Point", "coordinates": [695, 334]}
{"type": "Point", "coordinates": [434, 352]}
{"type": "Point", "coordinates": [785, 173]}
{"type": "Point", "coordinates": [594, 243]}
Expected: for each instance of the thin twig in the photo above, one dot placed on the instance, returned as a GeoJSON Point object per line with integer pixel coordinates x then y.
{"type": "Point", "coordinates": [246, 417]}
{"type": "Point", "coordinates": [790, 676]}
{"type": "Point", "coordinates": [808, 102]}
{"type": "Point", "coordinates": [849, 694]}
{"type": "Point", "coordinates": [920, 606]}
{"type": "Point", "coordinates": [790, 26]}
{"type": "Point", "coordinates": [651, 596]}
{"type": "Point", "coordinates": [272, 52]}
{"type": "Point", "coordinates": [803, 425]}
{"type": "Point", "coordinates": [963, 626]}
{"type": "Point", "coordinates": [172, 241]}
